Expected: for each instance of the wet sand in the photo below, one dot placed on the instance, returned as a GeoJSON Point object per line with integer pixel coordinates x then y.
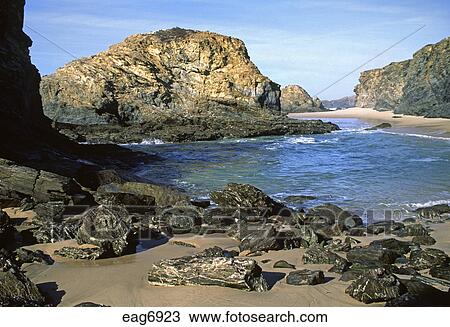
{"type": "Point", "coordinates": [437, 127]}
{"type": "Point", "coordinates": [122, 281]}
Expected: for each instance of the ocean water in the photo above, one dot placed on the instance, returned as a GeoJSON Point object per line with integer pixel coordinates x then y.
{"type": "Point", "coordinates": [353, 168]}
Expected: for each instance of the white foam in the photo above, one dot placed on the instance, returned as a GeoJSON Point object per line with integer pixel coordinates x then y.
{"type": "Point", "coordinates": [428, 204]}
{"type": "Point", "coordinates": [418, 135]}
{"type": "Point", "coordinates": [144, 142]}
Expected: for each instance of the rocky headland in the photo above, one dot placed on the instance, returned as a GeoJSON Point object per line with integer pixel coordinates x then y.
{"type": "Point", "coordinates": [418, 86]}
{"type": "Point", "coordinates": [342, 103]}
{"type": "Point", "coordinates": [294, 98]}
{"type": "Point", "coordinates": [175, 85]}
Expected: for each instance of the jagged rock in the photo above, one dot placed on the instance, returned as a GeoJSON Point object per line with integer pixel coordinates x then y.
{"type": "Point", "coordinates": [28, 256]}
{"type": "Point", "coordinates": [42, 186]}
{"type": "Point", "coordinates": [442, 272]}
{"type": "Point", "coordinates": [283, 264]}
{"type": "Point", "coordinates": [126, 199]}
{"type": "Point", "coordinates": [201, 203]}
{"type": "Point", "coordinates": [412, 230]}
{"type": "Point", "coordinates": [86, 253]}
{"type": "Point", "coordinates": [175, 85]}
{"type": "Point", "coordinates": [418, 86]}
{"type": "Point", "coordinates": [7, 230]}
{"type": "Point", "coordinates": [358, 231]}
{"type": "Point", "coordinates": [305, 277]}
{"type": "Point", "coordinates": [339, 245]}
{"type": "Point", "coordinates": [423, 240]}
{"type": "Point", "coordinates": [420, 295]}
{"type": "Point", "coordinates": [345, 102]}
{"type": "Point", "coordinates": [181, 219]}
{"type": "Point", "coordinates": [319, 255]}
{"type": "Point", "coordinates": [107, 227]}
{"type": "Point", "coordinates": [299, 199]}
{"type": "Point", "coordinates": [379, 126]}
{"type": "Point", "coordinates": [181, 243]}
{"type": "Point", "coordinates": [427, 258]}
{"type": "Point", "coordinates": [223, 217]}
{"type": "Point", "coordinates": [15, 287]}
{"type": "Point", "coordinates": [372, 256]}
{"type": "Point", "coordinates": [270, 239]}
{"type": "Point", "coordinates": [248, 196]}
{"type": "Point", "coordinates": [329, 214]}
{"type": "Point", "coordinates": [387, 227]}
{"type": "Point", "coordinates": [93, 178]}
{"type": "Point", "coordinates": [209, 268]}
{"type": "Point", "coordinates": [309, 236]}
{"type": "Point", "coordinates": [401, 247]}
{"type": "Point", "coordinates": [375, 286]}
{"type": "Point", "coordinates": [294, 98]}
{"type": "Point", "coordinates": [433, 212]}
{"type": "Point", "coordinates": [434, 282]}
{"type": "Point", "coordinates": [164, 196]}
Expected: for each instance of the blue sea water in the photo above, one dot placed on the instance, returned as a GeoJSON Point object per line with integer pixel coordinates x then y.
{"type": "Point", "coordinates": [353, 167]}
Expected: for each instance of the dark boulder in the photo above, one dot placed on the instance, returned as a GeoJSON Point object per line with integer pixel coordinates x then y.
{"type": "Point", "coordinates": [329, 215]}
{"type": "Point", "coordinates": [423, 240]}
{"type": "Point", "coordinates": [427, 258]}
{"type": "Point", "coordinates": [339, 245]}
{"type": "Point", "coordinates": [181, 219]}
{"type": "Point", "coordinates": [15, 287]}
{"type": "Point", "coordinates": [305, 277]}
{"type": "Point", "coordinates": [7, 230]}
{"type": "Point", "coordinates": [376, 285]}
{"type": "Point", "coordinates": [401, 247]}
{"type": "Point", "coordinates": [283, 264]}
{"type": "Point", "coordinates": [270, 239]}
{"type": "Point", "coordinates": [379, 126]}
{"type": "Point", "coordinates": [248, 196]}
{"type": "Point", "coordinates": [371, 256]}
{"type": "Point", "coordinates": [386, 226]}
{"type": "Point", "coordinates": [27, 256]}
{"type": "Point", "coordinates": [93, 178]}
{"type": "Point", "coordinates": [126, 199]}
{"type": "Point", "coordinates": [412, 230]}
{"type": "Point", "coordinates": [201, 203]}
{"type": "Point", "coordinates": [318, 255]}
{"type": "Point", "coordinates": [210, 269]}
{"type": "Point", "coordinates": [85, 253]}
{"type": "Point", "coordinates": [90, 305]}
{"type": "Point", "coordinates": [299, 199]}
{"type": "Point", "coordinates": [420, 295]}
{"type": "Point", "coordinates": [107, 227]}
{"type": "Point", "coordinates": [433, 212]}
{"type": "Point", "coordinates": [442, 272]}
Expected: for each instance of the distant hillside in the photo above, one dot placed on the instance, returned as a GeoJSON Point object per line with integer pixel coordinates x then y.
{"type": "Point", "coordinates": [345, 102]}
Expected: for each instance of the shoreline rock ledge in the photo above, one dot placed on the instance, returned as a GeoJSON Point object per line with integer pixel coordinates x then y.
{"type": "Point", "coordinates": [176, 85]}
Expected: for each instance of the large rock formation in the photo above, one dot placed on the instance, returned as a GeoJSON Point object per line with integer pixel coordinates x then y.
{"type": "Point", "coordinates": [419, 86]}
{"type": "Point", "coordinates": [176, 84]}
{"type": "Point", "coordinates": [294, 98]}
{"type": "Point", "coordinates": [345, 102]}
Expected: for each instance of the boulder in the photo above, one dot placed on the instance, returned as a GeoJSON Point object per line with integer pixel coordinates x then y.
{"type": "Point", "coordinates": [401, 247]}
{"type": "Point", "coordinates": [270, 239]}
{"type": "Point", "coordinates": [319, 255]}
{"type": "Point", "coordinates": [294, 98]}
{"type": "Point", "coordinates": [283, 264]}
{"type": "Point", "coordinates": [107, 227]}
{"type": "Point", "coordinates": [181, 219]}
{"type": "Point", "coordinates": [386, 226]}
{"type": "Point", "coordinates": [93, 178]}
{"type": "Point", "coordinates": [433, 212]}
{"type": "Point", "coordinates": [442, 272]}
{"type": "Point", "coordinates": [125, 199]}
{"type": "Point", "coordinates": [423, 240]}
{"type": "Point", "coordinates": [299, 199]}
{"type": "Point", "coordinates": [329, 214]}
{"type": "Point", "coordinates": [248, 196]}
{"type": "Point", "coordinates": [376, 285]}
{"type": "Point", "coordinates": [412, 230]}
{"type": "Point", "coordinates": [7, 230]}
{"type": "Point", "coordinates": [372, 256]}
{"type": "Point", "coordinates": [428, 258]}
{"type": "Point", "coordinates": [163, 195]}
{"type": "Point", "coordinates": [28, 256]}
{"type": "Point", "coordinates": [305, 277]}
{"type": "Point", "coordinates": [339, 245]}
{"type": "Point", "coordinates": [85, 253]}
{"type": "Point", "coordinates": [420, 295]}
{"type": "Point", "coordinates": [15, 287]}
{"type": "Point", "coordinates": [379, 126]}
{"type": "Point", "coordinates": [209, 268]}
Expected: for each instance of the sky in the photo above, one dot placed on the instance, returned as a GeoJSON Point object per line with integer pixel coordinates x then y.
{"type": "Point", "coordinates": [312, 43]}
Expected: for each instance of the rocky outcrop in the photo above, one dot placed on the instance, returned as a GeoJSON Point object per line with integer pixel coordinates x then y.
{"type": "Point", "coordinates": [212, 267]}
{"type": "Point", "coordinates": [305, 277]}
{"type": "Point", "coordinates": [174, 85]}
{"type": "Point", "coordinates": [294, 98]}
{"type": "Point", "coordinates": [419, 86]}
{"type": "Point", "coordinates": [342, 103]}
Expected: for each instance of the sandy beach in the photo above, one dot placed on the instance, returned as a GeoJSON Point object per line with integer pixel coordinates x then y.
{"type": "Point", "coordinates": [122, 281]}
{"type": "Point", "coordinates": [438, 127]}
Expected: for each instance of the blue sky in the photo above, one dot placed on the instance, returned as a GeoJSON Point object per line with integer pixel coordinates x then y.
{"type": "Point", "coordinates": [312, 42]}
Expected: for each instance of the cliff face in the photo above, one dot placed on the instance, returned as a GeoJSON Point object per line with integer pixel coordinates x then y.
{"type": "Point", "coordinates": [345, 102]}
{"type": "Point", "coordinates": [20, 102]}
{"type": "Point", "coordinates": [295, 99]}
{"type": "Point", "coordinates": [419, 86]}
{"type": "Point", "coordinates": [168, 73]}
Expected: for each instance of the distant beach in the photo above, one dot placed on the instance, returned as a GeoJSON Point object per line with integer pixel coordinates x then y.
{"type": "Point", "coordinates": [413, 124]}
